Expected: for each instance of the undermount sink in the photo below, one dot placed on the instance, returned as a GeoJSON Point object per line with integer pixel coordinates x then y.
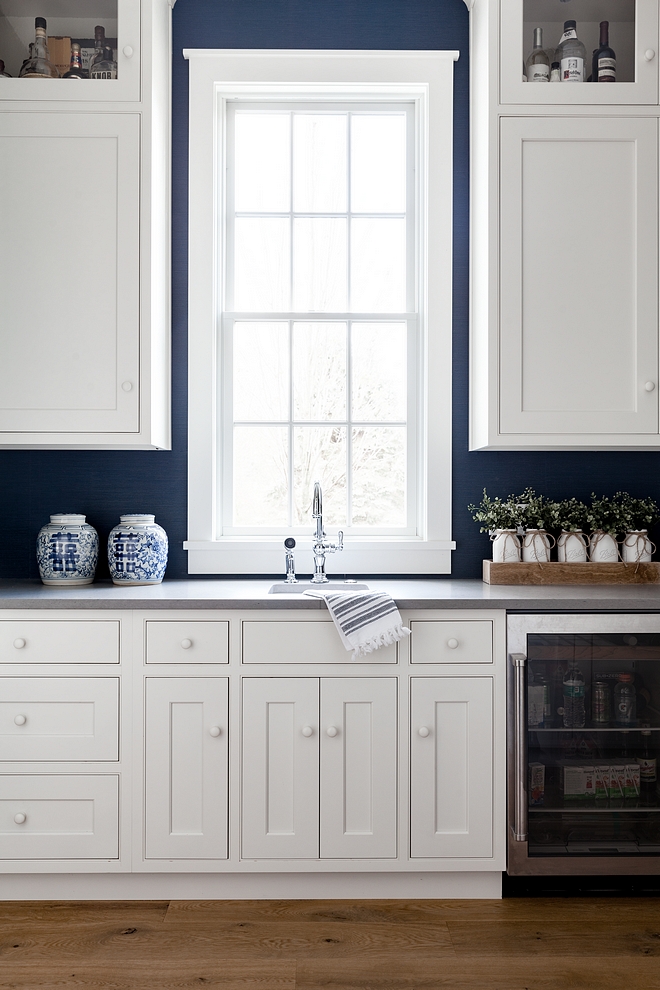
{"type": "Point", "coordinates": [297, 589]}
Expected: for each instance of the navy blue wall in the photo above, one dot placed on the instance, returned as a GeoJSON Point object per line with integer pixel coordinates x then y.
{"type": "Point", "coordinates": [105, 484]}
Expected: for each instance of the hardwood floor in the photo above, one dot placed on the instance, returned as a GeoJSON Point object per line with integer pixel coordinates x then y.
{"type": "Point", "coordinates": [515, 944]}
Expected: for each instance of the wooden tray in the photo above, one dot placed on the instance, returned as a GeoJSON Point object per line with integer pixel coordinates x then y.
{"type": "Point", "coordinates": [555, 573]}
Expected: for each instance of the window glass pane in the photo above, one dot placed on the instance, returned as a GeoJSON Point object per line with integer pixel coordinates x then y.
{"type": "Point", "coordinates": [261, 471]}
{"type": "Point", "coordinates": [261, 372]}
{"type": "Point", "coordinates": [262, 138]}
{"type": "Point", "coordinates": [379, 476]}
{"type": "Point", "coordinates": [378, 266]}
{"type": "Point", "coordinates": [378, 163]}
{"type": "Point", "coordinates": [319, 264]}
{"type": "Point", "coordinates": [319, 163]}
{"type": "Point", "coordinates": [319, 371]}
{"type": "Point", "coordinates": [261, 264]}
{"type": "Point", "coordinates": [378, 372]}
{"type": "Point", "coordinates": [319, 455]}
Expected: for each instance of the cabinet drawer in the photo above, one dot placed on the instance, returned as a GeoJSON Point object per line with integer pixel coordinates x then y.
{"type": "Point", "coordinates": [187, 642]}
{"type": "Point", "coordinates": [451, 641]}
{"type": "Point", "coordinates": [59, 718]}
{"type": "Point", "coordinates": [59, 816]}
{"type": "Point", "coordinates": [59, 641]}
{"type": "Point", "coordinates": [300, 642]}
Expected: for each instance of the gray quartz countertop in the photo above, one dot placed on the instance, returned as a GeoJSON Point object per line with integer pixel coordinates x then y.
{"type": "Point", "coordinates": [246, 593]}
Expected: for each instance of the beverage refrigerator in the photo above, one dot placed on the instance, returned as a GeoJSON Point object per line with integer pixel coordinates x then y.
{"type": "Point", "coordinates": [583, 713]}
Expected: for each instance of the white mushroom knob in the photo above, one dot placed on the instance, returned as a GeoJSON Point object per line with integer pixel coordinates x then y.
{"type": "Point", "coordinates": [20, 818]}
{"type": "Point", "coordinates": [215, 730]}
{"type": "Point", "coordinates": [128, 51]}
{"type": "Point", "coordinates": [127, 386]}
{"type": "Point", "coordinates": [423, 731]}
{"type": "Point", "coordinates": [649, 54]}
{"type": "Point", "coordinates": [186, 644]}
{"type": "Point", "coordinates": [331, 731]}
{"type": "Point", "coordinates": [452, 644]}
{"type": "Point", "coordinates": [650, 386]}
{"type": "Point", "coordinates": [20, 720]}
{"type": "Point", "coordinates": [307, 731]}
{"type": "Point", "coordinates": [19, 643]}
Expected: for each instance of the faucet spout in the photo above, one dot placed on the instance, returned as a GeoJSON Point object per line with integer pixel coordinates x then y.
{"type": "Point", "coordinates": [320, 546]}
{"type": "Point", "coordinates": [317, 510]}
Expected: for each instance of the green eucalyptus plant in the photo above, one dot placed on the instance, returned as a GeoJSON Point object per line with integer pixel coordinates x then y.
{"type": "Point", "coordinates": [535, 511]}
{"type": "Point", "coordinates": [495, 513]}
{"type": "Point", "coordinates": [605, 515]}
{"type": "Point", "coordinates": [636, 513]}
{"type": "Point", "coordinates": [570, 515]}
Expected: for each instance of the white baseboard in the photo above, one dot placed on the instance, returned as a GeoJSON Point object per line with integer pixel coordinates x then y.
{"type": "Point", "coordinates": [251, 886]}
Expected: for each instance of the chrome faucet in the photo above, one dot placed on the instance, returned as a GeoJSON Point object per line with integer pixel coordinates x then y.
{"type": "Point", "coordinates": [320, 545]}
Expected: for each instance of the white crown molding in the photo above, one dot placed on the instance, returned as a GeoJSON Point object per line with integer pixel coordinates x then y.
{"type": "Point", "coordinates": [468, 3]}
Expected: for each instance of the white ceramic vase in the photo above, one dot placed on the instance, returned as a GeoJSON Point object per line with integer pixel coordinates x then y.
{"type": "Point", "coordinates": [67, 551]}
{"type": "Point", "coordinates": [636, 547]}
{"type": "Point", "coordinates": [536, 546]}
{"type": "Point", "coordinates": [506, 546]}
{"type": "Point", "coordinates": [603, 548]}
{"type": "Point", "coordinates": [572, 547]}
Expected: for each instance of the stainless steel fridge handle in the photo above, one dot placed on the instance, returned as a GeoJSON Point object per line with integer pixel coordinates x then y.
{"type": "Point", "coordinates": [519, 661]}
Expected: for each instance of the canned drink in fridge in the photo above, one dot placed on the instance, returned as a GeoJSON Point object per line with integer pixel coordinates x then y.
{"type": "Point", "coordinates": [601, 703]}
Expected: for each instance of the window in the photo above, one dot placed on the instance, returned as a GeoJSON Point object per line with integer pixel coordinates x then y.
{"type": "Point", "coordinates": [319, 345]}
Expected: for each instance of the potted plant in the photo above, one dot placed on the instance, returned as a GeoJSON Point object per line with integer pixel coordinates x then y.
{"type": "Point", "coordinates": [571, 517]}
{"type": "Point", "coordinates": [604, 517]}
{"type": "Point", "coordinates": [500, 519]}
{"type": "Point", "coordinates": [536, 515]}
{"type": "Point", "coordinates": [636, 515]}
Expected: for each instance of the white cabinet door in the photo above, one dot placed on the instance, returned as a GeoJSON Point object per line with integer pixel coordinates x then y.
{"type": "Point", "coordinates": [280, 773]}
{"type": "Point", "coordinates": [186, 767]}
{"type": "Point", "coordinates": [579, 280]}
{"type": "Point", "coordinates": [451, 767]}
{"type": "Point", "coordinates": [358, 768]}
{"type": "Point", "coordinates": [69, 273]}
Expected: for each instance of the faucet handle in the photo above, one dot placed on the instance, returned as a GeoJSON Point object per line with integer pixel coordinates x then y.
{"type": "Point", "coordinates": [340, 540]}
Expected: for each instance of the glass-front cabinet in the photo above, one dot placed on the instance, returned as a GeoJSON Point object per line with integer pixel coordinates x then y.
{"type": "Point", "coordinates": [554, 52]}
{"type": "Point", "coordinates": [70, 50]}
{"type": "Point", "coordinates": [584, 744]}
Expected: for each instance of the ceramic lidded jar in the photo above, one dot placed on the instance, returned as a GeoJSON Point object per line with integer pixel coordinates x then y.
{"type": "Point", "coordinates": [67, 551]}
{"type": "Point", "coordinates": [137, 551]}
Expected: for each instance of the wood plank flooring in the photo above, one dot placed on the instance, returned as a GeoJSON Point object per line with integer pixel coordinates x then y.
{"type": "Point", "coordinates": [514, 944]}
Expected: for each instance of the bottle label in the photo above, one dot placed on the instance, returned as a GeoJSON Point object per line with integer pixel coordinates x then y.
{"type": "Point", "coordinates": [571, 33]}
{"type": "Point", "coordinates": [606, 68]}
{"type": "Point", "coordinates": [572, 69]}
{"type": "Point", "coordinates": [647, 769]}
{"type": "Point", "coordinates": [573, 691]}
{"type": "Point", "coordinates": [538, 73]}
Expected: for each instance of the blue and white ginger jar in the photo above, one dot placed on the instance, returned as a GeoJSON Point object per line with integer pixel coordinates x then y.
{"type": "Point", "coordinates": [67, 551]}
{"type": "Point", "coordinates": [137, 551]}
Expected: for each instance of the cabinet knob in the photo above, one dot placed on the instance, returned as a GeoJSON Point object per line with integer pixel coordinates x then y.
{"type": "Point", "coordinates": [331, 731]}
{"type": "Point", "coordinates": [127, 386]}
{"type": "Point", "coordinates": [20, 818]}
{"type": "Point", "coordinates": [186, 644]}
{"type": "Point", "coordinates": [128, 51]}
{"type": "Point", "coordinates": [215, 730]}
{"type": "Point", "coordinates": [452, 644]}
{"type": "Point", "coordinates": [19, 643]}
{"type": "Point", "coordinates": [649, 386]}
{"type": "Point", "coordinates": [423, 731]}
{"type": "Point", "coordinates": [308, 731]}
{"type": "Point", "coordinates": [649, 54]}
{"type": "Point", "coordinates": [20, 720]}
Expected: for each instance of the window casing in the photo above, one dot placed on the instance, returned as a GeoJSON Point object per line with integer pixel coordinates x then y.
{"type": "Point", "coordinates": [225, 539]}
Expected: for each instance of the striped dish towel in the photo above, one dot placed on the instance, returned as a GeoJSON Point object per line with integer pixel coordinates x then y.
{"type": "Point", "coordinates": [366, 620]}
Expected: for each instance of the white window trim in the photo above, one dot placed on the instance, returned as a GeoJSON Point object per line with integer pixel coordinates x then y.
{"type": "Point", "coordinates": [425, 77]}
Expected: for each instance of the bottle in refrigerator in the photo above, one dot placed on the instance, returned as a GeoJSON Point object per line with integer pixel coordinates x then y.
{"type": "Point", "coordinates": [601, 708]}
{"type": "Point", "coordinates": [571, 55]}
{"type": "Point", "coordinates": [3, 74]}
{"type": "Point", "coordinates": [39, 65]}
{"type": "Point", "coordinates": [648, 772]}
{"type": "Point", "coordinates": [604, 60]}
{"type": "Point", "coordinates": [573, 712]}
{"type": "Point", "coordinates": [625, 706]}
{"type": "Point", "coordinates": [537, 66]}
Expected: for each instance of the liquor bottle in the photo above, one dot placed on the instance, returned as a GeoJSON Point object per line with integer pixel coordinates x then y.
{"type": "Point", "coordinates": [648, 772]}
{"type": "Point", "coordinates": [99, 45]}
{"type": "Point", "coordinates": [537, 66]}
{"type": "Point", "coordinates": [3, 74]}
{"type": "Point", "coordinates": [571, 55]}
{"type": "Point", "coordinates": [39, 65]}
{"type": "Point", "coordinates": [76, 70]}
{"type": "Point", "coordinates": [573, 711]}
{"type": "Point", "coordinates": [106, 68]}
{"type": "Point", "coordinates": [555, 72]}
{"type": "Point", "coordinates": [604, 60]}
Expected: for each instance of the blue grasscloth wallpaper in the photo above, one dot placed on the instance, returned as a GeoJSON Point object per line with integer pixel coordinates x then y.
{"type": "Point", "coordinates": [104, 484]}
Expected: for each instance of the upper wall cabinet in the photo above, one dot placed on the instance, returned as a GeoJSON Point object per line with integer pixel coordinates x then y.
{"type": "Point", "coordinates": [85, 206]}
{"type": "Point", "coordinates": [633, 36]}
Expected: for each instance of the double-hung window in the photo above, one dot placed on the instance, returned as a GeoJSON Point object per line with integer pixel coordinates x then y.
{"type": "Point", "coordinates": [320, 307]}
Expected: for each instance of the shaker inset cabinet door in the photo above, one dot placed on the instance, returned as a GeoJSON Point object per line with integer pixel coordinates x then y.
{"type": "Point", "coordinates": [451, 767]}
{"type": "Point", "coordinates": [69, 272]}
{"type": "Point", "coordinates": [280, 813]}
{"type": "Point", "coordinates": [186, 767]}
{"type": "Point", "coordinates": [579, 277]}
{"type": "Point", "coordinates": [358, 768]}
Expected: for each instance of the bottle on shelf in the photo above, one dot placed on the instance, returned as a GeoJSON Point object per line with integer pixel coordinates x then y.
{"type": "Point", "coordinates": [648, 772]}
{"type": "Point", "coordinates": [99, 46]}
{"type": "Point", "coordinates": [3, 74]}
{"type": "Point", "coordinates": [39, 65]}
{"type": "Point", "coordinates": [571, 55]}
{"type": "Point", "coordinates": [106, 68]}
{"type": "Point", "coordinates": [573, 712]}
{"type": "Point", "coordinates": [76, 70]}
{"type": "Point", "coordinates": [537, 66]}
{"type": "Point", "coordinates": [603, 67]}
{"type": "Point", "coordinates": [625, 705]}
{"type": "Point", "coordinates": [555, 72]}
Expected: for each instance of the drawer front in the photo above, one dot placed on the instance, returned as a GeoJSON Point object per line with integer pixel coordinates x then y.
{"type": "Point", "coordinates": [451, 641]}
{"type": "Point", "coordinates": [191, 641]}
{"type": "Point", "coordinates": [55, 641]}
{"type": "Point", "coordinates": [300, 642]}
{"type": "Point", "coordinates": [59, 718]}
{"type": "Point", "coordinates": [59, 816]}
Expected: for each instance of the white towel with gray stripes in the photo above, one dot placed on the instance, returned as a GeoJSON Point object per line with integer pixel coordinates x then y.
{"type": "Point", "coordinates": [366, 620]}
